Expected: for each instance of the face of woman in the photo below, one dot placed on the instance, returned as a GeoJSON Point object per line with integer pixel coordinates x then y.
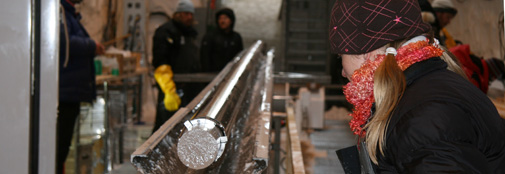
{"type": "Point", "coordinates": [351, 63]}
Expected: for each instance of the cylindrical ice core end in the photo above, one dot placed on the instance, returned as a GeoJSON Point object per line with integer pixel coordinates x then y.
{"type": "Point", "coordinates": [201, 144]}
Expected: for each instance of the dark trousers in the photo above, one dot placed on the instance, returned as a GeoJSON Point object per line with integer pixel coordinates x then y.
{"type": "Point", "coordinates": [189, 91]}
{"type": "Point", "coordinates": [67, 114]}
{"type": "Point", "coordinates": [162, 115]}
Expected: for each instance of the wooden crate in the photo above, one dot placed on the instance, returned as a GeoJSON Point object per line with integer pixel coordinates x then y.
{"type": "Point", "coordinates": [126, 65]}
{"type": "Point", "coordinates": [137, 57]}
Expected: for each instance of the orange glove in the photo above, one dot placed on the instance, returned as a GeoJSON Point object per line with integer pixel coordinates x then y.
{"type": "Point", "coordinates": [449, 40]}
{"type": "Point", "coordinates": [163, 75]}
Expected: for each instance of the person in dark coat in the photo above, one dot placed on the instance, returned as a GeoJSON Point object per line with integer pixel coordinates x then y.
{"type": "Point", "coordinates": [429, 16]}
{"type": "Point", "coordinates": [76, 77]}
{"type": "Point", "coordinates": [414, 111]}
{"type": "Point", "coordinates": [175, 51]}
{"type": "Point", "coordinates": [221, 45]}
{"type": "Point", "coordinates": [445, 11]}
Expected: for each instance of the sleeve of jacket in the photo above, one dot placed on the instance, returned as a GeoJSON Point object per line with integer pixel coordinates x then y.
{"type": "Point", "coordinates": [240, 43]}
{"type": "Point", "coordinates": [163, 47]}
{"type": "Point", "coordinates": [77, 44]}
{"type": "Point", "coordinates": [205, 52]}
{"type": "Point", "coordinates": [82, 45]}
{"type": "Point", "coordinates": [436, 137]}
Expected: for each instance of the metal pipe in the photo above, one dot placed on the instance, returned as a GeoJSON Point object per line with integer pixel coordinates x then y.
{"type": "Point", "coordinates": [230, 116]}
{"type": "Point", "coordinates": [236, 74]}
{"type": "Point", "coordinates": [106, 136]}
{"type": "Point", "coordinates": [205, 138]}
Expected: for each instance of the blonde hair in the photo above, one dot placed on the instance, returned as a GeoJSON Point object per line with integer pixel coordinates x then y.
{"type": "Point", "coordinates": [389, 86]}
{"type": "Point", "coordinates": [453, 63]}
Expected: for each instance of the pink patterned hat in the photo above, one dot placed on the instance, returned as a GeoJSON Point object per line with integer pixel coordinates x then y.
{"type": "Point", "coordinates": [361, 26]}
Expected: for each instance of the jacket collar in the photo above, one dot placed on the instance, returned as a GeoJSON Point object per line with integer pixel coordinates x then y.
{"type": "Point", "coordinates": [422, 68]}
{"type": "Point", "coordinates": [185, 30]}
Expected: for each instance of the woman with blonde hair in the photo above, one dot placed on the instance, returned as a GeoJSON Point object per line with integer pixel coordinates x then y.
{"type": "Point", "coordinates": [414, 112]}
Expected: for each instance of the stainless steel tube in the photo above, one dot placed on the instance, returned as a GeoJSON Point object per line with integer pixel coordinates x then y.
{"type": "Point", "coordinates": [225, 129]}
{"type": "Point", "coordinates": [205, 138]}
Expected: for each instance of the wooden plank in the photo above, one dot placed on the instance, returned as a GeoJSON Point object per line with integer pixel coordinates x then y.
{"type": "Point", "coordinates": [294, 164]}
{"type": "Point", "coordinates": [102, 78]}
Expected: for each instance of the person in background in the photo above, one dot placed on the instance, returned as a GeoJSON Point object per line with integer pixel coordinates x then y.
{"type": "Point", "coordinates": [445, 12]}
{"type": "Point", "coordinates": [221, 45]}
{"type": "Point", "coordinates": [481, 72]}
{"type": "Point", "coordinates": [412, 112]}
{"type": "Point", "coordinates": [428, 15]}
{"type": "Point", "coordinates": [76, 76]}
{"type": "Point", "coordinates": [175, 51]}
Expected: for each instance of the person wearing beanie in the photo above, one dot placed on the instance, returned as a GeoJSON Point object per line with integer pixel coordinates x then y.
{"type": "Point", "coordinates": [175, 51]}
{"type": "Point", "coordinates": [221, 45]}
{"type": "Point", "coordinates": [414, 110]}
{"type": "Point", "coordinates": [428, 16]}
{"type": "Point", "coordinates": [444, 12]}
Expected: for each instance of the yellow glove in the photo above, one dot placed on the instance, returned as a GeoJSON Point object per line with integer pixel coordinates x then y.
{"type": "Point", "coordinates": [163, 75]}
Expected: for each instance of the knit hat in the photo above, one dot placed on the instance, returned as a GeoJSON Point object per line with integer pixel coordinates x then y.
{"type": "Point", "coordinates": [361, 26]}
{"type": "Point", "coordinates": [496, 68]}
{"type": "Point", "coordinates": [185, 6]}
{"type": "Point", "coordinates": [444, 6]}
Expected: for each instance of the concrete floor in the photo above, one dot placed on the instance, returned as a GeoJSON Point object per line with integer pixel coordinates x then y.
{"type": "Point", "coordinates": [335, 136]}
{"type": "Point", "coordinates": [125, 169]}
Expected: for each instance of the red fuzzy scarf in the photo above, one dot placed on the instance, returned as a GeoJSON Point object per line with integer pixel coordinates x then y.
{"type": "Point", "coordinates": [359, 91]}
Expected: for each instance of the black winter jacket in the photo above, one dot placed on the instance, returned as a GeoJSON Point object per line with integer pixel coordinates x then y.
{"type": "Point", "coordinates": [443, 124]}
{"type": "Point", "coordinates": [77, 78]}
{"type": "Point", "coordinates": [175, 44]}
{"type": "Point", "coordinates": [220, 47]}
